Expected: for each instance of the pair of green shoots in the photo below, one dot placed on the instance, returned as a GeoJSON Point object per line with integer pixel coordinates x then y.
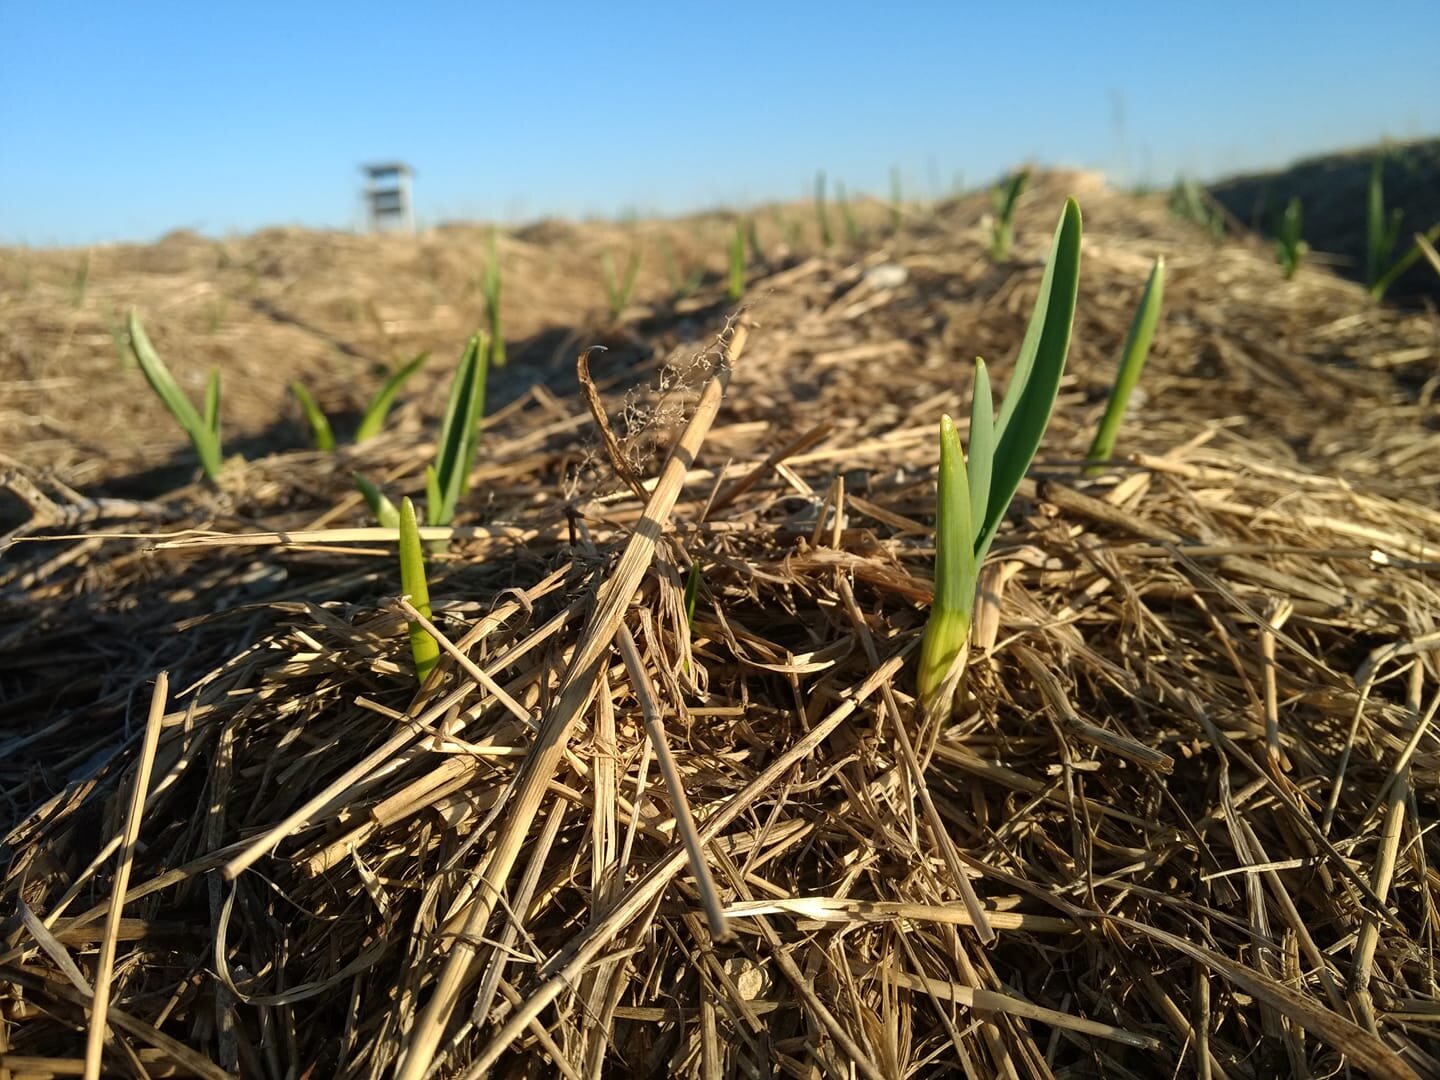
{"type": "Point", "coordinates": [445, 482]}
{"type": "Point", "coordinates": [203, 425]}
{"type": "Point", "coordinates": [974, 497]}
{"type": "Point", "coordinates": [619, 288]}
{"type": "Point", "coordinates": [682, 287]}
{"type": "Point", "coordinates": [376, 412]}
{"type": "Point", "coordinates": [1382, 230]}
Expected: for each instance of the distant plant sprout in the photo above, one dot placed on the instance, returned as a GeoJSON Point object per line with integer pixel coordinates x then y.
{"type": "Point", "coordinates": [1381, 233]}
{"type": "Point", "coordinates": [119, 339]}
{"type": "Point", "coordinates": [491, 286]}
{"type": "Point", "coordinates": [847, 216]}
{"type": "Point", "coordinates": [376, 412]}
{"type": "Point", "coordinates": [1289, 247]}
{"type": "Point", "coordinates": [383, 509]}
{"type": "Point", "coordinates": [204, 430]}
{"type": "Point", "coordinates": [1381, 230]}
{"type": "Point", "coordinates": [794, 234]}
{"type": "Point", "coordinates": [681, 287]}
{"type": "Point", "coordinates": [1402, 264]}
{"type": "Point", "coordinates": [618, 290]}
{"type": "Point", "coordinates": [737, 263]}
{"type": "Point", "coordinates": [897, 204]}
{"type": "Point", "coordinates": [1190, 202]}
{"type": "Point", "coordinates": [215, 315]}
{"type": "Point", "coordinates": [822, 215]}
{"type": "Point", "coordinates": [320, 430]}
{"type": "Point", "coordinates": [81, 285]}
{"type": "Point", "coordinates": [752, 238]}
{"type": "Point", "coordinates": [1006, 197]}
{"type": "Point", "coordinates": [692, 593]}
{"type": "Point", "coordinates": [971, 502]}
{"type": "Point", "coordinates": [1132, 362]}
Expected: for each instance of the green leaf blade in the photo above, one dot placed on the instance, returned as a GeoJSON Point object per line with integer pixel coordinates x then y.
{"type": "Point", "coordinates": [320, 430]}
{"type": "Point", "coordinates": [1132, 362]}
{"type": "Point", "coordinates": [692, 593]}
{"type": "Point", "coordinates": [384, 510]}
{"type": "Point", "coordinates": [384, 399]}
{"type": "Point", "coordinates": [1030, 398]}
{"type": "Point", "coordinates": [459, 434]}
{"type": "Point", "coordinates": [212, 404]}
{"type": "Point", "coordinates": [492, 301]}
{"type": "Point", "coordinates": [202, 435]}
{"type": "Point", "coordinates": [737, 263]}
{"type": "Point", "coordinates": [982, 446]}
{"type": "Point", "coordinates": [948, 628]}
{"type": "Point", "coordinates": [433, 497]}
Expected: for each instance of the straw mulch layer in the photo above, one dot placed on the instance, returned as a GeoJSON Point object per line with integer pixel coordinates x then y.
{"type": "Point", "coordinates": [1190, 775]}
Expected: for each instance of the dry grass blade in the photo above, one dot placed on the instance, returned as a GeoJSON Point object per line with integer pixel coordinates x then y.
{"type": "Point", "coordinates": [1361, 1047]}
{"type": "Point", "coordinates": [674, 784]}
{"type": "Point", "coordinates": [105, 967]}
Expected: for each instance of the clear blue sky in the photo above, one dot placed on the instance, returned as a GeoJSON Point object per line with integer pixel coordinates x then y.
{"type": "Point", "coordinates": [125, 120]}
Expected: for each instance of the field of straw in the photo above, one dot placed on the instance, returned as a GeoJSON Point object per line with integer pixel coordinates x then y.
{"type": "Point", "coordinates": [1191, 774]}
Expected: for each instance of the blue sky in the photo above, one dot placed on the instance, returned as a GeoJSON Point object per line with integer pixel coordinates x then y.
{"type": "Point", "coordinates": [125, 120]}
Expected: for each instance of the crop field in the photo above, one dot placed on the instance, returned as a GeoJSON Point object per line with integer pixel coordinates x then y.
{"type": "Point", "coordinates": [699, 665]}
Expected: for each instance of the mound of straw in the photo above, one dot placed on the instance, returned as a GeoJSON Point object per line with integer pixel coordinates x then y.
{"type": "Point", "coordinates": [1191, 773]}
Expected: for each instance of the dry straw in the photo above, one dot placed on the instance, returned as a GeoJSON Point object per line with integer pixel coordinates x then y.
{"type": "Point", "coordinates": [1189, 782]}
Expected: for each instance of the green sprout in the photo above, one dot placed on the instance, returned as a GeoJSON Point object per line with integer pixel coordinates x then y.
{"type": "Point", "coordinates": [1006, 196]}
{"type": "Point", "coordinates": [82, 282]}
{"type": "Point", "coordinates": [491, 285]}
{"type": "Point", "coordinates": [447, 480]}
{"type": "Point", "coordinates": [379, 408]}
{"type": "Point", "coordinates": [1289, 248]}
{"type": "Point", "coordinates": [680, 287]}
{"type": "Point", "coordinates": [204, 431]}
{"type": "Point", "coordinates": [1402, 264]}
{"type": "Point", "coordinates": [119, 338]}
{"type": "Point", "coordinates": [1132, 361]}
{"type": "Point", "coordinates": [752, 238]}
{"type": "Point", "coordinates": [692, 593]}
{"type": "Point", "coordinates": [375, 413]}
{"type": "Point", "coordinates": [1189, 202]}
{"type": "Point", "coordinates": [1381, 230]}
{"type": "Point", "coordinates": [971, 503]}
{"type": "Point", "coordinates": [847, 216]}
{"type": "Point", "coordinates": [619, 290]}
{"type": "Point", "coordinates": [737, 263]}
{"type": "Point", "coordinates": [821, 214]}
{"type": "Point", "coordinates": [383, 509]}
{"type": "Point", "coordinates": [423, 647]}
{"type": "Point", "coordinates": [319, 422]}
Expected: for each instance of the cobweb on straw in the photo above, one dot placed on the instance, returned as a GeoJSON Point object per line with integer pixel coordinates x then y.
{"type": "Point", "coordinates": [651, 413]}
